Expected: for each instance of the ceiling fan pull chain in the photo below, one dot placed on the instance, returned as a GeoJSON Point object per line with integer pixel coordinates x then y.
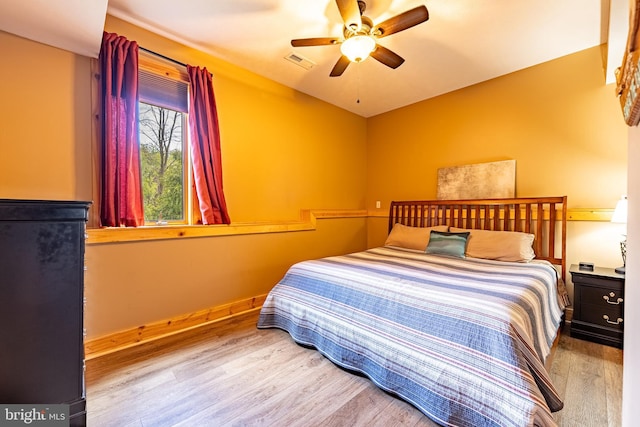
{"type": "Point", "coordinates": [357, 83]}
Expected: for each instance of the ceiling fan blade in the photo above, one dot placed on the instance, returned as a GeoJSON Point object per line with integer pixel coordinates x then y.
{"type": "Point", "coordinates": [350, 12]}
{"type": "Point", "coordinates": [316, 41]}
{"type": "Point", "coordinates": [402, 21]}
{"type": "Point", "coordinates": [340, 66]}
{"type": "Point", "coordinates": [387, 57]}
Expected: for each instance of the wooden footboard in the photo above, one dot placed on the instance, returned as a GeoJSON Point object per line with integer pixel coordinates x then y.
{"type": "Point", "coordinates": [544, 217]}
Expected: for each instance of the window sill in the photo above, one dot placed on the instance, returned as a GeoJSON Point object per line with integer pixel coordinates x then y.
{"type": "Point", "coordinates": [307, 222]}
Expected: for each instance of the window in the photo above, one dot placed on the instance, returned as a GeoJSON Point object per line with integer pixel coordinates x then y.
{"type": "Point", "coordinates": [165, 168]}
{"type": "Point", "coordinates": [162, 162]}
{"type": "Point", "coordinates": [129, 82]}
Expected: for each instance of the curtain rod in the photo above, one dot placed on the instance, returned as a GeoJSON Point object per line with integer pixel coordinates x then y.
{"type": "Point", "coordinates": [162, 56]}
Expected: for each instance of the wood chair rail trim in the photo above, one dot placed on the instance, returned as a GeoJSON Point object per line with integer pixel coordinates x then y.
{"type": "Point", "coordinates": [307, 222]}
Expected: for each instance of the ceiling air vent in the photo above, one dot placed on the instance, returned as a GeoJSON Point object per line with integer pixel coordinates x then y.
{"type": "Point", "coordinates": [300, 60]}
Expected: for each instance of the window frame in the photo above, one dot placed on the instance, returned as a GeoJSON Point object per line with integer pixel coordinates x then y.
{"type": "Point", "coordinates": [155, 64]}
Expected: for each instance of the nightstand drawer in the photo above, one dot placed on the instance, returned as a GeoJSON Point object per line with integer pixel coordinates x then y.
{"type": "Point", "coordinates": [610, 317]}
{"type": "Point", "coordinates": [601, 296]}
{"type": "Point", "coordinates": [603, 282]}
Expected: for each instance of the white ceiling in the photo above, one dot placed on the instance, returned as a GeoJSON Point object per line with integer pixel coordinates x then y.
{"type": "Point", "coordinates": [74, 25]}
{"type": "Point", "coordinates": [464, 41]}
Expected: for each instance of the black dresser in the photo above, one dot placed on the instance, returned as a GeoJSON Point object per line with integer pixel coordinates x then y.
{"type": "Point", "coordinates": [598, 305]}
{"type": "Point", "coordinates": [42, 297]}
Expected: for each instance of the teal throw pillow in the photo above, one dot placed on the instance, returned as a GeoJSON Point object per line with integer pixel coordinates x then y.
{"type": "Point", "coordinates": [447, 243]}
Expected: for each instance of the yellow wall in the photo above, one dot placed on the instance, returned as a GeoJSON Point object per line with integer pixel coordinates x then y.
{"type": "Point", "coordinates": [279, 156]}
{"type": "Point", "coordinates": [281, 150]}
{"type": "Point", "coordinates": [45, 122]}
{"type": "Point", "coordinates": [133, 284]}
{"type": "Point", "coordinates": [557, 120]}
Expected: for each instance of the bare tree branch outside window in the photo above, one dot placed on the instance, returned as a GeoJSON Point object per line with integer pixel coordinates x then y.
{"type": "Point", "coordinates": [161, 157]}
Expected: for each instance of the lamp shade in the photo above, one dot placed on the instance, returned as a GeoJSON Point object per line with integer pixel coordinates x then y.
{"type": "Point", "coordinates": [620, 212]}
{"type": "Point", "coordinates": [358, 48]}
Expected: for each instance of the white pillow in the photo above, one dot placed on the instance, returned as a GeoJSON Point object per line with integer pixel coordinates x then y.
{"type": "Point", "coordinates": [412, 237]}
{"type": "Point", "coordinates": [499, 245]}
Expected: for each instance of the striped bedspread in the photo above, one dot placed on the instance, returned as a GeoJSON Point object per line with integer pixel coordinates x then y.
{"type": "Point", "coordinates": [463, 340]}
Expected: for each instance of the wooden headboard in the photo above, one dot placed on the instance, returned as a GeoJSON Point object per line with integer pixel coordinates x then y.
{"type": "Point", "coordinates": [519, 214]}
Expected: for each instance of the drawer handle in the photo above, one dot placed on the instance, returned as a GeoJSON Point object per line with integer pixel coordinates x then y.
{"type": "Point", "coordinates": [617, 322]}
{"type": "Point", "coordinates": [606, 298]}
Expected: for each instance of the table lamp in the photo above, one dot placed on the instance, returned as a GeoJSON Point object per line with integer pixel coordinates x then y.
{"type": "Point", "coordinates": [620, 216]}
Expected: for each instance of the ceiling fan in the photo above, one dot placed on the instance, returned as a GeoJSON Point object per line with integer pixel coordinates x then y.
{"type": "Point", "coordinates": [361, 35]}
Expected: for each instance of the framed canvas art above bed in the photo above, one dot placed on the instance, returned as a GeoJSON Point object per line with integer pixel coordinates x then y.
{"type": "Point", "coordinates": [477, 181]}
{"type": "Point", "coordinates": [461, 334]}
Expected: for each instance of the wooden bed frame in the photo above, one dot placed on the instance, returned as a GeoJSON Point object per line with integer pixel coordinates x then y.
{"type": "Point", "coordinates": [518, 214]}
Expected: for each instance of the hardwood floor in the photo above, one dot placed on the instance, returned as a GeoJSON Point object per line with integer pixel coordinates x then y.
{"type": "Point", "coordinates": [588, 376]}
{"type": "Point", "coordinates": [232, 374]}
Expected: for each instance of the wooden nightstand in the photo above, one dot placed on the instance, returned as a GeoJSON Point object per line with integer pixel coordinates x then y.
{"type": "Point", "coordinates": [598, 305]}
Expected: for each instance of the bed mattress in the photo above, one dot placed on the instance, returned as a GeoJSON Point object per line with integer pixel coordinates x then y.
{"type": "Point", "coordinates": [462, 339]}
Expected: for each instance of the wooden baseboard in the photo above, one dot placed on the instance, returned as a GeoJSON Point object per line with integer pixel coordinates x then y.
{"type": "Point", "coordinates": [128, 338]}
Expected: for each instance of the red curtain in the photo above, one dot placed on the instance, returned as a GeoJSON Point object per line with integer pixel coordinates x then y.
{"type": "Point", "coordinates": [121, 197]}
{"type": "Point", "coordinates": [205, 147]}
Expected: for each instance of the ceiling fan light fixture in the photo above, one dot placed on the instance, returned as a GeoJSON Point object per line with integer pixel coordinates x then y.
{"type": "Point", "coordinates": [357, 48]}
{"type": "Point", "coordinates": [360, 35]}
